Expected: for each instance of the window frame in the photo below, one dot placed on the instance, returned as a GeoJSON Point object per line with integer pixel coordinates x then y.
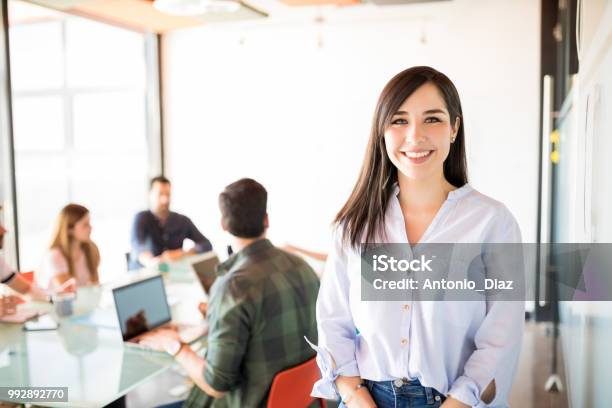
{"type": "Point", "coordinates": [153, 122]}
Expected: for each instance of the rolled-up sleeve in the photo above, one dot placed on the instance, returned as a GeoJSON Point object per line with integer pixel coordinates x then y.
{"type": "Point", "coordinates": [336, 329]}
{"type": "Point", "coordinates": [6, 272]}
{"type": "Point", "coordinates": [498, 339]}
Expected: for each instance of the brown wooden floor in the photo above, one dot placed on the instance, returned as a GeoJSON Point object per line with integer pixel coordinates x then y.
{"type": "Point", "coordinates": [534, 369]}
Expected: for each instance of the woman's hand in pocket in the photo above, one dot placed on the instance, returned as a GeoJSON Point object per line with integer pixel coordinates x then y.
{"type": "Point", "coordinates": [450, 402]}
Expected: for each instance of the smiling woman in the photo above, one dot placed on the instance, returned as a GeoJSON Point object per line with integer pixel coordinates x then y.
{"type": "Point", "coordinates": [413, 189]}
{"type": "Point", "coordinates": [417, 137]}
{"type": "Point", "coordinates": [411, 126]}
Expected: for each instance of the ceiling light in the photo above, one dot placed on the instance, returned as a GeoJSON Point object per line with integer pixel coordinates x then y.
{"type": "Point", "coordinates": [196, 7]}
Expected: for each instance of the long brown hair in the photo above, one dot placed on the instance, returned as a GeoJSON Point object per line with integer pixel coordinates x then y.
{"type": "Point", "coordinates": [364, 212]}
{"type": "Point", "coordinates": [62, 240]}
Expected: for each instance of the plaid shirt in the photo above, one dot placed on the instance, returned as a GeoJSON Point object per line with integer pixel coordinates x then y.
{"type": "Point", "coordinates": [261, 307]}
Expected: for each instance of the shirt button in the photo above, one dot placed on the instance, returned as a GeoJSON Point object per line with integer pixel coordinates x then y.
{"type": "Point", "coordinates": [404, 342]}
{"type": "Point", "coordinates": [406, 307]}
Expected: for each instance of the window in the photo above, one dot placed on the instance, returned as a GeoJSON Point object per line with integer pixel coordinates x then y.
{"type": "Point", "coordinates": [79, 92]}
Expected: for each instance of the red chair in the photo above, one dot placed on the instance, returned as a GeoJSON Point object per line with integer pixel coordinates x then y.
{"type": "Point", "coordinates": [29, 276]}
{"type": "Point", "coordinates": [292, 387]}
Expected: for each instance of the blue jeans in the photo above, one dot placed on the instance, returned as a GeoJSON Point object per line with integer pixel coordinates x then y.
{"type": "Point", "coordinates": [411, 394]}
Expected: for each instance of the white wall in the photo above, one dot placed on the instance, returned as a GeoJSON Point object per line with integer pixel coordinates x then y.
{"type": "Point", "coordinates": [289, 102]}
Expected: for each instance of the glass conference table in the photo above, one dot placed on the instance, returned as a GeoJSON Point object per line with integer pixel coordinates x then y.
{"type": "Point", "coordinates": [86, 353]}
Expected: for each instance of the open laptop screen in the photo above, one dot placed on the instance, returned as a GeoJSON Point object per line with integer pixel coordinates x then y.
{"type": "Point", "coordinates": [205, 268]}
{"type": "Point", "coordinates": [141, 306]}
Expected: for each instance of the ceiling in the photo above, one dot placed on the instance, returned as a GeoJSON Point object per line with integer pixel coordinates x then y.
{"type": "Point", "coordinates": [141, 15]}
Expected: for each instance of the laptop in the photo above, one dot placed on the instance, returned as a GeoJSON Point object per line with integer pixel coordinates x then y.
{"type": "Point", "coordinates": [142, 308]}
{"type": "Point", "coordinates": [205, 267]}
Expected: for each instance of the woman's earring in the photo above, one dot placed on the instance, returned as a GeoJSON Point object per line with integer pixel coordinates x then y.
{"type": "Point", "coordinates": [452, 140]}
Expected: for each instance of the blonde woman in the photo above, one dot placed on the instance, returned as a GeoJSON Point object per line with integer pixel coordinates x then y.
{"type": "Point", "coordinates": [72, 255]}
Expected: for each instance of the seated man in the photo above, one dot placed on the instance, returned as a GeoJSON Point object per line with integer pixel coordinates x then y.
{"type": "Point", "coordinates": [261, 307]}
{"type": "Point", "coordinates": [17, 282]}
{"type": "Point", "coordinates": [158, 233]}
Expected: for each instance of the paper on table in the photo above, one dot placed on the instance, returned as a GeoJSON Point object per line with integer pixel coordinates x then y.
{"type": "Point", "coordinates": [21, 316]}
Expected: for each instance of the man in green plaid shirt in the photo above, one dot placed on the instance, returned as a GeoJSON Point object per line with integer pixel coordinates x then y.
{"type": "Point", "coordinates": [261, 307]}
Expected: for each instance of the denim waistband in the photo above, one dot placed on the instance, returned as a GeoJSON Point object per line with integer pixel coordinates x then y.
{"type": "Point", "coordinates": [409, 388]}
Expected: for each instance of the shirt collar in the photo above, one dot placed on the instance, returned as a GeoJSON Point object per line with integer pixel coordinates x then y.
{"type": "Point", "coordinates": [453, 195]}
{"type": "Point", "coordinates": [237, 258]}
{"type": "Point", "coordinates": [460, 192]}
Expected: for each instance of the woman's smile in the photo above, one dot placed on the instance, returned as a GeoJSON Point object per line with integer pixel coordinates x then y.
{"type": "Point", "coordinates": [417, 157]}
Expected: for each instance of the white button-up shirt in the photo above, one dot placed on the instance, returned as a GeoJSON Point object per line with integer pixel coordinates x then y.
{"type": "Point", "coordinates": [456, 347]}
